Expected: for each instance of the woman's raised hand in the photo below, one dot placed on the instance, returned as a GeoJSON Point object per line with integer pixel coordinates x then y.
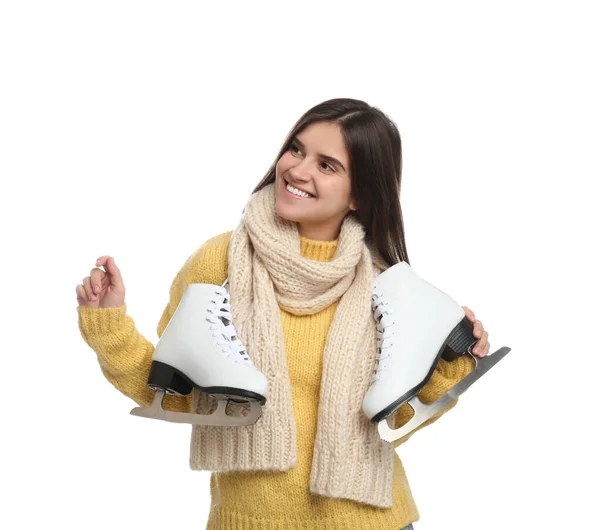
{"type": "Point", "coordinates": [103, 288]}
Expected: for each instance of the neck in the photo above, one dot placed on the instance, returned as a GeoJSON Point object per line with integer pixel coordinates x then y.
{"type": "Point", "coordinates": [317, 250]}
{"type": "Point", "coordinates": [319, 233]}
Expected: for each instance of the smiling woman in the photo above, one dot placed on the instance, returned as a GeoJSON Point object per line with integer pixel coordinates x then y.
{"type": "Point", "coordinates": [306, 168]}
{"type": "Point", "coordinates": [300, 272]}
{"type": "Point", "coordinates": [348, 155]}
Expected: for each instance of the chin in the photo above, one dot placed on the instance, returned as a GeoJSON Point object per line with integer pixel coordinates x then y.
{"type": "Point", "coordinates": [285, 216]}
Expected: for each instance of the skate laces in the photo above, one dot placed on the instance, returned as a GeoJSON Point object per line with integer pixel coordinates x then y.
{"type": "Point", "coordinates": [385, 321]}
{"type": "Point", "coordinates": [220, 310]}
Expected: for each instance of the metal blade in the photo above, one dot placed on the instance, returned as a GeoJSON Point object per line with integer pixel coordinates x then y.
{"type": "Point", "coordinates": [218, 418]}
{"type": "Point", "coordinates": [424, 412]}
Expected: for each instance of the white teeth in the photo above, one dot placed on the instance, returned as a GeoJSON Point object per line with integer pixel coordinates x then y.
{"type": "Point", "coordinates": [296, 191]}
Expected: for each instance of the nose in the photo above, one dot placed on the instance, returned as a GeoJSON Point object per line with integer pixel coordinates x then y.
{"type": "Point", "coordinates": [300, 172]}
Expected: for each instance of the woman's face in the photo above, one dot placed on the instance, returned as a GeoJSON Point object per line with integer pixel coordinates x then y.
{"type": "Point", "coordinates": [305, 166]}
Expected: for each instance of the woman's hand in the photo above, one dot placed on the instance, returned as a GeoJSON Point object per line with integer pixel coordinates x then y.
{"type": "Point", "coordinates": [482, 348]}
{"type": "Point", "coordinates": [102, 288]}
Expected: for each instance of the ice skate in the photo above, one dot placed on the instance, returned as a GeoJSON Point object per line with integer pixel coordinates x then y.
{"type": "Point", "coordinates": [199, 348]}
{"type": "Point", "coordinates": [416, 325]}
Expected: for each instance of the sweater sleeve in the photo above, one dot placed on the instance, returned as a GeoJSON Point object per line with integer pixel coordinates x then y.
{"type": "Point", "coordinates": [445, 375]}
{"type": "Point", "coordinates": [124, 354]}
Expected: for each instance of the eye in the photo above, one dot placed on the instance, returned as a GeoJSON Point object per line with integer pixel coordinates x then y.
{"type": "Point", "coordinates": [294, 146]}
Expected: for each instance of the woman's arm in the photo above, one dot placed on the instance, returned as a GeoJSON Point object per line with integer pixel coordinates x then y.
{"type": "Point", "coordinates": [124, 354]}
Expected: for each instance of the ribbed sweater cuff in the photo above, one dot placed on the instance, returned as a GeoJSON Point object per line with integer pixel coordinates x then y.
{"type": "Point", "coordinates": [447, 374]}
{"type": "Point", "coordinates": [108, 324]}
{"type": "Point", "coordinates": [391, 519]}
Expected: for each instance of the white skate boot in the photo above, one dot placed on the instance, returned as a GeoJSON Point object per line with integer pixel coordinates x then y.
{"type": "Point", "coordinates": [197, 348]}
{"type": "Point", "coordinates": [417, 324]}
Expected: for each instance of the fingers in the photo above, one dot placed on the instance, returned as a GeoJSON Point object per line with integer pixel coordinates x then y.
{"type": "Point", "coordinates": [87, 286]}
{"type": "Point", "coordinates": [486, 350]}
{"type": "Point", "coordinates": [92, 287]}
{"type": "Point", "coordinates": [470, 315]}
{"type": "Point", "coordinates": [482, 344]}
{"type": "Point", "coordinates": [81, 295]}
{"type": "Point", "coordinates": [96, 277]}
{"type": "Point", "coordinates": [114, 274]}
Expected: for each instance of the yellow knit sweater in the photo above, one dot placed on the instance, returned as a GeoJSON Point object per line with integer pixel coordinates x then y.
{"type": "Point", "coordinates": [264, 500]}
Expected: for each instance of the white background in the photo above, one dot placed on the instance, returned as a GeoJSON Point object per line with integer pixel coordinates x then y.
{"type": "Point", "coordinates": [138, 130]}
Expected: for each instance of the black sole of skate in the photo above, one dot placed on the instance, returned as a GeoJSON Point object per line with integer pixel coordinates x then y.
{"type": "Point", "coordinates": [459, 342]}
{"type": "Point", "coordinates": [165, 377]}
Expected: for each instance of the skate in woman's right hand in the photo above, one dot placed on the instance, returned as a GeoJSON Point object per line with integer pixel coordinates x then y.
{"type": "Point", "coordinates": [103, 288]}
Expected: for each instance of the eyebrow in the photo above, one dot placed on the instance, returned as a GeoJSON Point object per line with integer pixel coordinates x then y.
{"type": "Point", "coordinates": [325, 157]}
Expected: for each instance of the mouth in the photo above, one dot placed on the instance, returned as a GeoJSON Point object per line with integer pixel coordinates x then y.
{"type": "Point", "coordinates": [285, 183]}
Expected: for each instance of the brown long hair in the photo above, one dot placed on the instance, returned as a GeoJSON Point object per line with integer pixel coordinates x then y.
{"type": "Point", "coordinates": [373, 143]}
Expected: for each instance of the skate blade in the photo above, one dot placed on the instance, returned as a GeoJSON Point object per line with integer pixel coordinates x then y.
{"type": "Point", "coordinates": [218, 418]}
{"type": "Point", "coordinates": [423, 412]}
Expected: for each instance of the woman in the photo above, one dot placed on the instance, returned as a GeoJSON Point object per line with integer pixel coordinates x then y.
{"type": "Point", "coordinates": [321, 224]}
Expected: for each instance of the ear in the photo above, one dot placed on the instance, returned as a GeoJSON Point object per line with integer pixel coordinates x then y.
{"type": "Point", "coordinates": [352, 205]}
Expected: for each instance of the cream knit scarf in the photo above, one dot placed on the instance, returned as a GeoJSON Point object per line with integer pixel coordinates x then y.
{"type": "Point", "coordinates": [266, 272]}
